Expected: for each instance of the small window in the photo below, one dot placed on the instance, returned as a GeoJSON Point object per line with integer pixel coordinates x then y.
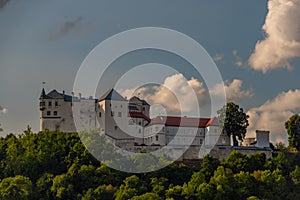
{"type": "Point", "coordinates": [143, 108]}
{"type": "Point", "coordinates": [201, 141]}
{"type": "Point", "coordinates": [112, 113]}
{"type": "Point", "coordinates": [48, 113]}
{"type": "Point", "coordinates": [49, 103]}
{"type": "Point", "coordinates": [140, 131]}
{"type": "Point", "coordinates": [56, 103]}
{"type": "Point", "coordinates": [99, 114]}
{"type": "Point", "coordinates": [55, 113]}
{"type": "Point", "coordinates": [140, 123]}
{"type": "Point", "coordinates": [119, 114]}
{"type": "Point", "coordinates": [121, 106]}
{"type": "Point", "coordinates": [156, 137]}
{"type": "Point", "coordinates": [116, 127]}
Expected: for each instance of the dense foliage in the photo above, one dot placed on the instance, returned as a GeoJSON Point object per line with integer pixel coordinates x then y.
{"type": "Point", "coordinates": [234, 121]}
{"type": "Point", "coordinates": [293, 129]}
{"type": "Point", "coordinates": [54, 165]}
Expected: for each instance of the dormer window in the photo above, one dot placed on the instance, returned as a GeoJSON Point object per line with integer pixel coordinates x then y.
{"type": "Point", "coordinates": [50, 103]}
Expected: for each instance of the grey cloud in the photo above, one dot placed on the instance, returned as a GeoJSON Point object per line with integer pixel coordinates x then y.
{"type": "Point", "coordinates": [3, 3]}
{"type": "Point", "coordinates": [66, 28]}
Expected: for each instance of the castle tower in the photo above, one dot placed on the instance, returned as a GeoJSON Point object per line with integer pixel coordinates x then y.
{"type": "Point", "coordinates": [112, 112]}
{"type": "Point", "coordinates": [56, 112]}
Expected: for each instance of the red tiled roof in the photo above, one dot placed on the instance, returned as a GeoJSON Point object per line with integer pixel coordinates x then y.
{"type": "Point", "coordinates": [183, 121]}
{"type": "Point", "coordinates": [139, 115]}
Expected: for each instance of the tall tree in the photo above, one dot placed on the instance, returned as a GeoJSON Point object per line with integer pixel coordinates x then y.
{"type": "Point", "coordinates": [293, 129]}
{"type": "Point", "coordinates": [18, 187]}
{"type": "Point", "coordinates": [233, 121]}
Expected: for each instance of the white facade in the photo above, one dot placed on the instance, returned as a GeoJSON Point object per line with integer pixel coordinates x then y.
{"type": "Point", "coordinates": [56, 111]}
{"type": "Point", "coordinates": [127, 123]}
{"type": "Point", "coordinates": [206, 133]}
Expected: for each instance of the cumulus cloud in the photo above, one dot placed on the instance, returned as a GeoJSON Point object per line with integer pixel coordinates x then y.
{"type": "Point", "coordinates": [218, 57]}
{"type": "Point", "coordinates": [273, 114]}
{"type": "Point", "coordinates": [282, 42]}
{"type": "Point", "coordinates": [233, 90]}
{"type": "Point", "coordinates": [3, 110]}
{"type": "Point", "coordinates": [169, 93]}
{"type": "Point", "coordinates": [66, 28]}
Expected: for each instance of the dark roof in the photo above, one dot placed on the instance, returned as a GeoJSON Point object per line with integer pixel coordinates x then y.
{"type": "Point", "coordinates": [145, 102]}
{"type": "Point", "coordinates": [132, 99]}
{"type": "Point", "coordinates": [139, 115]}
{"type": "Point", "coordinates": [183, 121]}
{"type": "Point", "coordinates": [133, 108]}
{"type": "Point", "coordinates": [56, 95]}
{"type": "Point", "coordinates": [112, 95]}
{"type": "Point", "coordinates": [43, 94]}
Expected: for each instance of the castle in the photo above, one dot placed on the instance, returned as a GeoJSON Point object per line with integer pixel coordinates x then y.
{"type": "Point", "coordinates": [127, 122]}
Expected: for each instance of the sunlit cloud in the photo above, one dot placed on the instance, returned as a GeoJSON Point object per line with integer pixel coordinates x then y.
{"type": "Point", "coordinates": [282, 41]}
{"type": "Point", "coordinates": [218, 57]}
{"type": "Point", "coordinates": [233, 90]}
{"type": "Point", "coordinates": [273, 114]}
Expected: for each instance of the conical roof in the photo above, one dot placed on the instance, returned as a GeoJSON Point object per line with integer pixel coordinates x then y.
{"type": "Point", "coordinates": [112, 95]}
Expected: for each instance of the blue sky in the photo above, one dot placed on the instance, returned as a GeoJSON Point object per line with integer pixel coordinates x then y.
{"type": "Point", "coordinates": [48, 40]}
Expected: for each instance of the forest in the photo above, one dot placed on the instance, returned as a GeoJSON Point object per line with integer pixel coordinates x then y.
{"type": "Point", "coordinates": [55, 165]}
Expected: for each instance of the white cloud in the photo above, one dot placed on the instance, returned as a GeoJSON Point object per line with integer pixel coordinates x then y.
{"type": "Point", "coordinates": [218, 57]}
{"type": "Point", "coordinates": [282, 42]}
{"type": "Point", "coordinates": [169, 93]}
{"type": "Point", "coordinates": [273, 114]}
{"type": "Point", "coordinates": [239, 61]}
{"type": "Point", "coordinates": [233, 90]}
{"type": "Point", "coordinates": [3, 110]}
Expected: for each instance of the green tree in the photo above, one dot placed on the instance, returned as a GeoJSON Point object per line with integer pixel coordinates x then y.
{"type": "Point", "coordinates": [131, 187]}
{"type": "Point", "coordinates": [18, 187]}
{"type": "Point", "coordinates": [101, 192]}
{"type": "Point", "coordinates": [224, 184]}
{"type": "Point", "coordinates": [233, 121]}
{"type": "Point", "coordinates": [236, 161]}
{"type": "Point", "coordinates": [295, 175]}
{"type": "Point", "coordinates": [293, 129]}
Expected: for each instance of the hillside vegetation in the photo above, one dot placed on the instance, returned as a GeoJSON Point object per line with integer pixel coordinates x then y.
{"type": "Point", "coordinates": [54, 165]}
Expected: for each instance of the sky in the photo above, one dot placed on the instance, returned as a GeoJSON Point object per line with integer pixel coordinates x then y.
{"type": "Point", "coordinates": [254, 43]}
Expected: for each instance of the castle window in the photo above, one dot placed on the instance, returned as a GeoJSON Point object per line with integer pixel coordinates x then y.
{"type": "Point", "coordinates": [140, 123]}
{"type": "Point", "coordinates": [121, 106]}
{"type": "Point", "coordinates": [116, 127]}
{"type": "Point", "coordinates": [56, 103]}
{"type": "Point", "coordinates": [119, 114]}
{"type": "Point", "coordinates": [156, 137]}
{"type": "Point", "coordinates": [112, 113]}
{"type": "Point", "coordinates": [143, 108]}
{"type": "Point", "coordinates": [55, 113]}
{"type": "Point", "coordinates": [48, 113]}
{"type": "Point", "coordinates": [50, 103]}
{"type": "Point", "coordinates": [201, 141]}
{"type": "Point", "coordinates": [99, 114]}
{"type": "Point", "coordinates": [140, 131]}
